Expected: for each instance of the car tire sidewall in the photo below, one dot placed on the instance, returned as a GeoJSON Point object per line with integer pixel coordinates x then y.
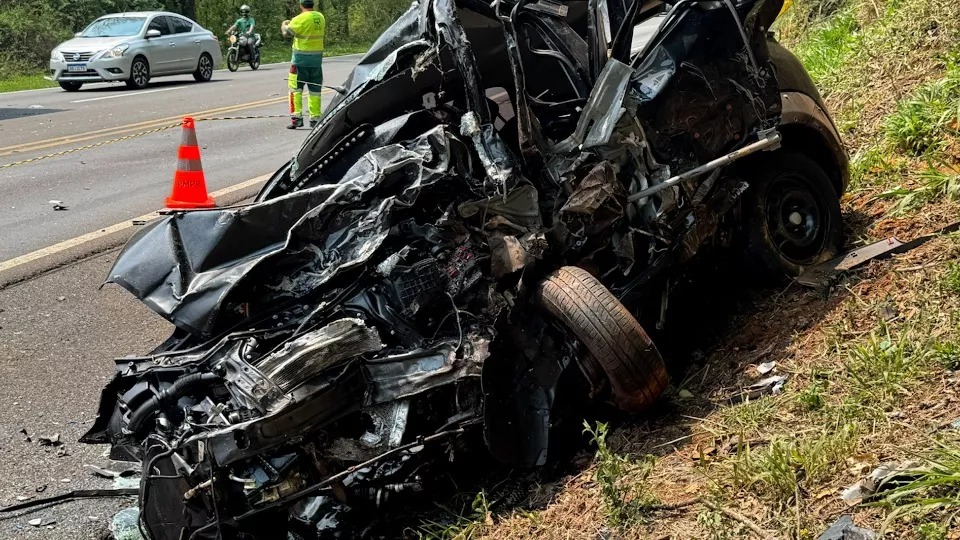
{"type": "Point", "coordinates": [132, 82]}
{"type": "Point", "coordinates": [763, 258]}
{"type": "Point", "coordinates": [198, 74]}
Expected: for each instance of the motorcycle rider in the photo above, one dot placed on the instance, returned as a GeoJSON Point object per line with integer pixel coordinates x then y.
{"type": "Point", "coordinates": [244, 26]}
{"type": "Point", "coordinates": [306, 70]}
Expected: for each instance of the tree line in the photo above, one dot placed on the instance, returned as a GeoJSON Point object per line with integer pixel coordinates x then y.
{"type": "Point", "coordinates": [29, 29]}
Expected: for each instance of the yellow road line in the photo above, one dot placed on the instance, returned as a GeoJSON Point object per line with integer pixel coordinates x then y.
{"type": "Point", "coordinates": [107, 132]}
{"type": "Point", "coordinates": [146, 124]}
{"type": "Point", "coordinates": [89, 237]}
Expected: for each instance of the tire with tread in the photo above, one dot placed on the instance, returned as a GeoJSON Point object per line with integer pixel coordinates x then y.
{"type": "Point", "coordinates": [610, 333]}
{"type": "Point", "coordinates": [70, 86]}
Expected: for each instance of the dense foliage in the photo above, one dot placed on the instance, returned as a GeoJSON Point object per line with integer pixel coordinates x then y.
{"type": "Point", "coordinates": [29, 29]}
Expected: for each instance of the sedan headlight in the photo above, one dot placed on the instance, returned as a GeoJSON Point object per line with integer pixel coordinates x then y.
{"type": "Point", "coordinates": [56, 56]}
{"type": "Point", "coordinates": [115, 52]}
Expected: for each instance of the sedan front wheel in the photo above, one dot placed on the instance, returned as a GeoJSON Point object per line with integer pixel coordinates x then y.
{"type": "Point", "coordinates": [139, 73]}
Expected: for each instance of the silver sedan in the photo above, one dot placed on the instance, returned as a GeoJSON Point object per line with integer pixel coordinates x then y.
{"type": "Point", "coordinates": [133, 48]}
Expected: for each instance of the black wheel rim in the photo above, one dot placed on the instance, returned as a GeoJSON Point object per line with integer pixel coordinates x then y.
{"type": "Point", "coordinates": [140, 73]}
{"type": "Point", "coordinates": [796, 219]}
{"type": "Point", "coordinates": [206, 67]}
{"type": "Point", "coordinates": [232, 61]}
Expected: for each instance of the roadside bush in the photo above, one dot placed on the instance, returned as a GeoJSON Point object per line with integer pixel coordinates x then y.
{"type": "Point", "coordinates": [26, 37]}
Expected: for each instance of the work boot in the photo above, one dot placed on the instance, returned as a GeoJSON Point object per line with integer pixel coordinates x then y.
{"type": "Point", "coordinates": [295, 122]}
{"type": "Point", "coordinates": [314, 122]}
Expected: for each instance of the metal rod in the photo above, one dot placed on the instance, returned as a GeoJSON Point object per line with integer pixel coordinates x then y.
{"type": "Point", "coordinates": [771, 140]}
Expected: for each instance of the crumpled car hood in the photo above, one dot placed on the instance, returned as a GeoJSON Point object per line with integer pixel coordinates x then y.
{"type": "Point", "coordinates": [186, 266]}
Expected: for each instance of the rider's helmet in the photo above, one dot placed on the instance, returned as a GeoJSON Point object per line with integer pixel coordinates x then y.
{"type": "Point", "coordinates": [245, 10]}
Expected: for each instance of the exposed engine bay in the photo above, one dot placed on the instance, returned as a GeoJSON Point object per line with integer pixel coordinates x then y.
{"type": "Point", "coordinates": [466, 237]}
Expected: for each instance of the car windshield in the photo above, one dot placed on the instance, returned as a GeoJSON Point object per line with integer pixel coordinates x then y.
{"type": "Point", "coordinates": [114, 27]}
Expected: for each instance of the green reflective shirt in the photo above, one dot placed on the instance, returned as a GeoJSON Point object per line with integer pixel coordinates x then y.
{"type": "Point", "coordinates": [308, 29]}
{"type": "Point", "coordinates": [243, 25]}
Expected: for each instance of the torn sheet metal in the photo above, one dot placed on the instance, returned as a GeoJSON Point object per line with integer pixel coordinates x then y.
{"type": "Point", "coordinates": [602, 111]}
{"type": "Point", "coordinates": [823, 275]}
{"type": "Point", "coordinates": [201, 262]}
{"type": "Point", "coordinates": [314, 352]}
{"type": "Point", "coordinates": [402, 376]}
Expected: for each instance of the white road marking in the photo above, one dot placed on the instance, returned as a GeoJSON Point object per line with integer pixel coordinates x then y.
{"type": "Point", "coordinates": [89, 237]}
{"type": "Point", "coordinates": [130, 94]}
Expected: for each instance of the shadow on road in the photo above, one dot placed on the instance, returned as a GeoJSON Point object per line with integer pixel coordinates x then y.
{"type": "Point", "coordinates": [9, 113]}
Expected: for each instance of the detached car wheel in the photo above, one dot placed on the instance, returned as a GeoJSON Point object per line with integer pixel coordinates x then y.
{"type": "Point", "coordinates": [610, 333]}
{"type": "Point", "coordinates": [139, 73]}
{"type": "Point", "coordinates": [204, 70]}
{"type": "Point", "coordinates": [70, 86]}
{"type": "Point", "coordinates": [791, 215]}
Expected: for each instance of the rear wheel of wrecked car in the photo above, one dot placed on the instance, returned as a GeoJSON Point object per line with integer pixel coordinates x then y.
{"type": "Point", "coordinates": [610, 333]}
{"type": "Point", "coordinates": [791, 215]}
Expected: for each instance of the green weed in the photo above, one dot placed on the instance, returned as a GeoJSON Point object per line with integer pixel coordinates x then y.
{"type": "Point", "coordinates": [934, 487]}
{"type": "Point", "coordinates": [622, 481]}
{"type": "Point", "coordinates": [460, 527]}
{"type": "Point", "coordinates": [935, 183]}
{"type": "Point", "coordinates": [947, 354]}
{"type": "Point", "coordinates": [932, 531]}
{"type": "Point", "coordinates": [828, 45]}
{"type": "Point", "coordinates": [749, 417]}
{"type": "Point", "coordinates": [778, 470]}
{"type": "Point", "coordinates": [813, 397]}
{"type": "Point", "coordinates": [715, 524]}
{"type": "Point", "coordinates": [882, 368]}
{"type": "Point", "coordinates": [950, 281]}
{"type": "Point", "coordinates": [872, 167]}
{"type": "Point", "coordinates": [922, 120]}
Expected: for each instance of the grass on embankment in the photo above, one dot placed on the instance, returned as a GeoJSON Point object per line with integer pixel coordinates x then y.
{"type": "Point", "coordinates": [24, 82]}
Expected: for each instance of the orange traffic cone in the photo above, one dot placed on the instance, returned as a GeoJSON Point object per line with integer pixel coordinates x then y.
{"type": "Point", "coordinates": [189, 186]}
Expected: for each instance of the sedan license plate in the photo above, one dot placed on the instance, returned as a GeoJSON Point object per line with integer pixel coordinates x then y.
{"type": "Point", "coordinates": [76, 67]}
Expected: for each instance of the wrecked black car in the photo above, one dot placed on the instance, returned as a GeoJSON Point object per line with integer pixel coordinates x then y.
{"type": "Point", "coordinates": [480, 228]}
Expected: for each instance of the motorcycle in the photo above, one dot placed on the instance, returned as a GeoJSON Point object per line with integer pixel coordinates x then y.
{"type": "Point", "coordinates": [238, 51]}
{"type": "Point", "coordinates": [460, 256]}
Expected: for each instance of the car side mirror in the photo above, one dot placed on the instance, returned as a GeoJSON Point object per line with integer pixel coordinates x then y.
{"type": "Point", "coordinates": [78, 34]}
{"type": "Point", "coordinates": [153, 33]}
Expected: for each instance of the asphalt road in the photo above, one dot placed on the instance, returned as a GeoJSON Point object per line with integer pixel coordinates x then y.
{"type": "Point", "coordinates": [120, 180]}
{"type": "Point", "coordinates": [58, 334]}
